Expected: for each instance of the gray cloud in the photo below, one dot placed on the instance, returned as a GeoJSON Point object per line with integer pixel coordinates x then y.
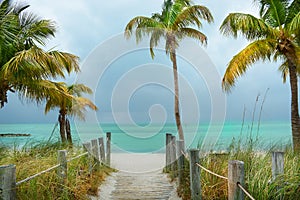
{"type": "Point", "coordinates": [85, 24]}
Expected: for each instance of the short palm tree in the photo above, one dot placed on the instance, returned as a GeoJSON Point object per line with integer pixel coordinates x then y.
{"type": "Point", "coordinates": [275, 35]}
{"type": "Point", "coordinates": [175, 22]}
{"type": "Point", "coordinates": [72, 105]}
{"type": "Point", "coordinates": [24, 66]}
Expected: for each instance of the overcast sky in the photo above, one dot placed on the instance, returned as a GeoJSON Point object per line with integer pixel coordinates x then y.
{"type": "Point", "coordinates": [85, 27]}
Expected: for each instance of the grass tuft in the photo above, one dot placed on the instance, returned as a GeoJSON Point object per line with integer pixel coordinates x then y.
{"type": "Point", "coordinates": [33, 158]}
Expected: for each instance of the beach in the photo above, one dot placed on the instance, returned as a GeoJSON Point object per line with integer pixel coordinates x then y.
{"type": "Point", "coordinates": [138, 162]}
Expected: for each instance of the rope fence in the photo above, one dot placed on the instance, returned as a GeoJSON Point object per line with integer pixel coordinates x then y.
{"type": "Point", "coordinates": [245, 191]}
{"type": "Point", "coordinates": [207, 170]}
{"type": "Point", "coordinates": [48, 170]}
{"type": "Point", "coordinates": [95, 151]}
{"type": "Point", "coordinates": [76, 157]}
{"type": "Point", "coordinates": [235, 177]}
{"type": "Point", "coordinates": [37, 174]}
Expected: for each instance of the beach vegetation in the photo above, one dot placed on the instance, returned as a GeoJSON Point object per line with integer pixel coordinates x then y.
{"type": "Point", "coordinates": [33, 158]}
{"type": "Point", "coordinates": [258, 173]}
{"type": "Point", "coordinates": [25, 67]}
{"type": "Point", "coordinates": [273, 36]}
{"type": "Point", "coordinates": [73, 106]}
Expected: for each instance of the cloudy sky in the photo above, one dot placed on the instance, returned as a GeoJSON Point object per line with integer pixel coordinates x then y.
{"type": "Point", "coordinates": [93, 30]}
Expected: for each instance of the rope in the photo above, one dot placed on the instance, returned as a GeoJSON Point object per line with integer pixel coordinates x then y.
{"type": "Point", "coordinates": [38, 174]}
{"type": "Point", "coordinates": [184, 154]}
{"type": "Point", "coordinates": [77, 156]}
{"type": "Point", "coordinates": [223, 177]}
{"type": "Point", "coordinates": [47, 170]}
{"type": "Point", "coordinates": [245, 191]}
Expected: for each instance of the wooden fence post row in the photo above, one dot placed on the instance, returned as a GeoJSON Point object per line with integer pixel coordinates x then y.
{"type": "Point", "coordinates": [236, 171]}
{"type": "Point", "coordinates": [8, 172]}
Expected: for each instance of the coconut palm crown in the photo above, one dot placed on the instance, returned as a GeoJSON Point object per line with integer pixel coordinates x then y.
{"type": "Point", "coordinates": [73, 105]}
{"type": "Point", "coordinates": [25, 67]}
{"type": "Point", "coordinates": [179, 19]}
{"type": "Point", "coordinates": [274, 35]}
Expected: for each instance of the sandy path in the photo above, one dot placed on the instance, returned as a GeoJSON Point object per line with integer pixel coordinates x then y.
{"type": "Point", "coordinates": [139, 177]}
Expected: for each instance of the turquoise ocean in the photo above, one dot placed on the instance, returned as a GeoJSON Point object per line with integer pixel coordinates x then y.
{"type": "Point", "coordinates": [141, 139]}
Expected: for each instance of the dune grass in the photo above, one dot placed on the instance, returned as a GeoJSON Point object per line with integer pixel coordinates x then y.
{"type": "Point", "coordinates": [258, 174]}
{"type": "Point", "coordinates": [34, 158]}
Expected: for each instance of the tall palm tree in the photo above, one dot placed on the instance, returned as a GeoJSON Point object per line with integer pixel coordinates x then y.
{"type": "Point", "coordinates": [275, 35]}
{"type": "Point", "coordinates": [24, 66]}
{"type": "Point", "coordinates": [72, 105]}
{"type": "Point", "coordinates": [175, 22]}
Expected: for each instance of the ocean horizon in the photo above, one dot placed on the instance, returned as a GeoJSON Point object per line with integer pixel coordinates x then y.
{"type": "Point", "coordinates": [146, 139]}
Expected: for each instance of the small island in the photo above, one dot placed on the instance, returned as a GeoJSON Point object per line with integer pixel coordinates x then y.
{"type": "Point", "coordinates": [14, 135]}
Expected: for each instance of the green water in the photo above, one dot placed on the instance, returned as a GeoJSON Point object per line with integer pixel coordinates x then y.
{"type": "Point", "coordinates": [131, 138]}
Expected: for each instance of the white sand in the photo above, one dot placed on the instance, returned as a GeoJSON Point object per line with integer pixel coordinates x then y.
{"type": "Point", "coordinates": [138, 162]}
{"type": "Point", "coordinates": [138, 174]}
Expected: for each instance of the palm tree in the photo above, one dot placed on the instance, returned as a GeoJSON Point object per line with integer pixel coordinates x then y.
{"type": "Point", "coordinates": [275, 35]}
{"type": "Point", "coordinates": [72, 105]}
{"type": "Point", "coordinates": [24, 66]}
{"type": "Point", "coordinates": [174, 23]}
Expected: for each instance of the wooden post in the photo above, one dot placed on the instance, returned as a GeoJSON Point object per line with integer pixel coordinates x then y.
{"type": "Point", "coordinates": [277, 164]}
{"type": "Point", "coordinates": [108, 148]}
{"type": "Point", "coordinates": [102, 152]}
{"type": "Point", "coordinates": [236, 174]}
{"type": "Point", "coordinates": [8, 182]}
{"type": "Point", "coordinates": [278, 169]}
{"type": "Point", "coordinates": [195, 175]}
{"type": "Point", "coordinates": [180, 161]}
{"type": "Point", "coordinates": [62, 170]}
{"type": "Point", "coordinates": [173, 154]}
{"type": "Point", "coordinates": [168, 151]}
{"type": "Point", "coordinates": [95, 150]}
{"type": "Point", "coordinates": [88, 147]}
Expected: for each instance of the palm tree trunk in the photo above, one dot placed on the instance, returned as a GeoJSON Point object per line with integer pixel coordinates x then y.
{"type": "Point", "coordinates": [3, 93]}
{"type": "Point", "coordinates": [68, 131]}
{"type": "Point", "coordinates": [294, 107]}
{"type": "Point", "coordinates": [176, 88]}
{"type": "Point", "coordinates": [62, 126]}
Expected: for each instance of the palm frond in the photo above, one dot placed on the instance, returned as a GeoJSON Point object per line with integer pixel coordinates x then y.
{"type": "Point", "coordinates": [34, 29]}
{"type": "Point", "coordinates": [79, 106]}
{"type": "Point", "coordinates": [78, 89]}
{"type": "Point", "coordinates": [293, 10]}
{"type": "Point", "coordinates": [284, 69]}
{"type": "Point", "coordinates": [191, 16]}
{"type": "Point", "coordinates": [154, 40]}
{"type": "Point", "coordinates": [176, 8]}
{"type": "Point", "coordinates": [274, 12]}
{"type": "Point", "coordinates": [141, 23]}
{"type": "Point", "coordinates": [193, 33]}
{"type": "Point", "coordinates": [39, 90]}
{"type": "Point", "coordinates": [257, 50]}
{"type": "Point", "coordinates": [73, 103]}
{"type": "Point", "coordinates": [248, 25]}
{"type": "Point", "coordinates": [37, 63]}
{"type": "Point", "coordinates": [294, 26]}
{"type": "Point", "coordinates": [66, 61]}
